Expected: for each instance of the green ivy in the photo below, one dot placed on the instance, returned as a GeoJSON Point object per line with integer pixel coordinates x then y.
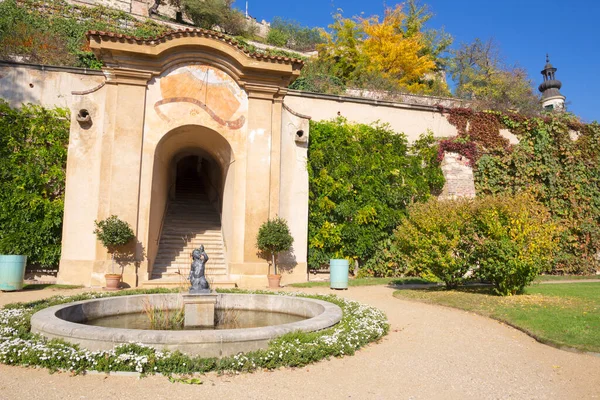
{"type": "Point", "coordinates": [562, 173]}
{"type": "Point", "coordinates": [362, 178]}
{"type": "Point", "coordinates": [33, 156]}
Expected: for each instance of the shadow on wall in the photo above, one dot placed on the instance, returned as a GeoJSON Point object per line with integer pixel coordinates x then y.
{"type": "Point", "coordinates": [130, 255]}
{"type": "Point", "coordinates": [287, 261]}
{"type": "Point", "coordinates": [19, 85]}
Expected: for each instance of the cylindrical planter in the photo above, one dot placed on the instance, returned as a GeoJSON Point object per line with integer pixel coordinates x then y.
{"type": "Point", "coordinates": [12, 272]}
{"type": "Point", "coordinates": [274, 281]}
{"type": "Point", "coordinates": [112, 281]}
{"type": "Point", "coordinates": [338, 273]}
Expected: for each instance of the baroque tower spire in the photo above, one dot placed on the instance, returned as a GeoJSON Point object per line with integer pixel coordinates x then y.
{"type": "Point", "coordinates": [552, 99]}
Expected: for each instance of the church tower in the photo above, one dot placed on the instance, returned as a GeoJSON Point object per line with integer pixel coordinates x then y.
{"type": "Point", "coordinates": [551, 97]}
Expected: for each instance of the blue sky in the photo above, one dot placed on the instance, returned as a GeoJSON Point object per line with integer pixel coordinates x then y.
{"type": "Point", "coordinates": [525, 30]}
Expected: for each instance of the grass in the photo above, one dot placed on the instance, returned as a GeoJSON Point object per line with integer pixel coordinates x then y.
{"type": "Point", "coordinates": [367, 282]}
{"type": "Point", "coordinates": [566, 315]}
{"type": "Point", "coordinates": [42, 286]}
{"type": "Point", "coordinates": [545, 278]}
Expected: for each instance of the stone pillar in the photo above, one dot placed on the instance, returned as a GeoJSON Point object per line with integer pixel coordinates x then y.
{"type": "Point", "coordinates": [121, 166]}
{"type": "Point", "coordinates": [263, 155]}
{"type": "Point", "coordinates": [199, 310]}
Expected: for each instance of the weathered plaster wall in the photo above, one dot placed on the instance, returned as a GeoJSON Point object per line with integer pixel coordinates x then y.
{"type": "Point", "coordinates": [412, 120]}
{"type": "Point", "coordinates": [293, 206]}
{"type": "Point", "coordinates": [48, 86]}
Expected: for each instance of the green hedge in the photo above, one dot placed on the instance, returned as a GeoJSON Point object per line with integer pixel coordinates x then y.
{"type": "Point", "coordinates": [362, 178]}
{"type": "Point", "coordinates": [33, 157]}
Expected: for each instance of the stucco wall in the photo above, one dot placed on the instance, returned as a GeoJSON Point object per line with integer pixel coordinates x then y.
{"type": "Point", "coordinates": [293, 206]}
{"type": "Point", "coordinates": [412, 120]}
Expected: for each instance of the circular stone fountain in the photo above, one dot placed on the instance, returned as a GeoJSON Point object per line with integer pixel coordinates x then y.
{"type": "Point", "coordinates": [68, 322]}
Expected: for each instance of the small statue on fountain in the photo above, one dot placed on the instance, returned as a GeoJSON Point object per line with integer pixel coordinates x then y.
{"type": "Point", "coordinates": [197, 278]}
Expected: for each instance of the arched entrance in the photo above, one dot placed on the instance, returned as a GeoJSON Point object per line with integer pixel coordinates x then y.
{"type": "Point", "coordinates": [187, 117]}
{"type": "Point", "coordinates": [192, 186]}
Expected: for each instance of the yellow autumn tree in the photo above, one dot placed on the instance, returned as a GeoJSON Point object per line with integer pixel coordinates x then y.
{"type": "Point", "coordinates": [399, 57]}
{"type": "Point", "coordinates": [343, 47]}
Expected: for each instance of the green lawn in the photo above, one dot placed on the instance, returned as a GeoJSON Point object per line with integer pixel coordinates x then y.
{"type": "Point", "coordinates": [543, 278]}
{"type": "Point", "coordinates": [566, 315]}
{"type": "Point", "coordinates": [367, 282]}
{"type": "Point", "coordinates": [41, 286]}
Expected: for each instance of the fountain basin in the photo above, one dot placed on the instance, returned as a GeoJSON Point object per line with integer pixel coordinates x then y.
{"type": "Point", "coordinates": [67, 322]}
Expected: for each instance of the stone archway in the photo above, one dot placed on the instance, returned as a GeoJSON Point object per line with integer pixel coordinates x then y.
{"type": "Point", "coordinates": [193, 185]}
{"type": "Point", "coordinates": [186, 91]}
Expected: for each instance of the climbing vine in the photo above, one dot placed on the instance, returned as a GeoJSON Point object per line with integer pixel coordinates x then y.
{"type": "Point", "coordinates": [557, 159]}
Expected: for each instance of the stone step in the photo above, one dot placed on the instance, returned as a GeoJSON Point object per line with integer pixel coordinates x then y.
{"type": "Point", "coordinates": [186, 264]}
{"type": "Point", "coordinates": [208, 244]}
{"type": "Point", "coordinates": [186, 273]}
{"type": "Point", "coordinates": [186, 260]}
{"type": "Point", "coordinates": [170, 283]}
{"type": "Point", "coordinates": [172, 248]}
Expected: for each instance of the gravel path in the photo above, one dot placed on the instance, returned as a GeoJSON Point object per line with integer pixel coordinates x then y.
{"type": "Point", "coordinates": [431, 353]}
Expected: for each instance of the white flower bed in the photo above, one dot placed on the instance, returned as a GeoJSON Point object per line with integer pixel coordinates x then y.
{"type": "Point", "coordinates": [360, 325]}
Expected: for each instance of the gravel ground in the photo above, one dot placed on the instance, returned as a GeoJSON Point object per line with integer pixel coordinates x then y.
{"type": "Point", "coordinates": [431, 353]}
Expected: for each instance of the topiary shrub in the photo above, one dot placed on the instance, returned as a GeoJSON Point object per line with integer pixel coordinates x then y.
{"type": "Point", "coordinates": [113, 233]}
{"type": "Point", "coordinates": [435, 237]}
{"type": "Point", "coordinates": [514, 241]}
{"type": "Point", "coordinates": [274, 237]}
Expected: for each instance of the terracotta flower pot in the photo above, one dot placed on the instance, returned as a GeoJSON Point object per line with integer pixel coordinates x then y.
{"type": "Point", "coordinates": [112, 281]}
{"type": "Point", "coordinates": [274, 281]}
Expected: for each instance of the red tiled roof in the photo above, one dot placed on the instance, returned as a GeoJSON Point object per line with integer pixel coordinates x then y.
{"type": "Point", "coordinates": [196, 32]}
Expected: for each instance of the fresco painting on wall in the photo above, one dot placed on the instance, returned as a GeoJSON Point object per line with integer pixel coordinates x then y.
{"type": "Point", "coordinates": [210, 89]}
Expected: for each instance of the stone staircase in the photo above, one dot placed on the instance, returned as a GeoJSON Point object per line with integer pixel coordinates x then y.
{"type": "Point", "coordinates": [191, 220]}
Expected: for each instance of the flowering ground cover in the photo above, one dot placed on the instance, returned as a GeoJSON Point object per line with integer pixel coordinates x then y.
{"type": "Point", "coordinates": [359, 326]}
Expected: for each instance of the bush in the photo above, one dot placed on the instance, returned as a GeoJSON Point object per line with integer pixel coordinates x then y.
{"type": "Point", "coordinates": [362, 178]}
{"type": "Point", "coordinates": [274, 237]}
{"type": "Point", "coordinates": [436, 237]}
{"type": "Point", "coordinates": [33, 157]}
{"type": "Point", "coordinates": [514, 241]}
{"type": "Point", "coordinates": [506, 240]}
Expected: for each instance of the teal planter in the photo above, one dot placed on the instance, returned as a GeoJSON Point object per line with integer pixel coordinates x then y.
{"type": "Point", "coordinates": [338, 274]}
{"type": "Point", "coordinates": [12, 272]}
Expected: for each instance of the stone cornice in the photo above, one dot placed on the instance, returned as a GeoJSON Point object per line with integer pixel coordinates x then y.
{"type": "Point", "coordinates": [156, 56]}
{"type": "Point", "coordinates": [127, 76]}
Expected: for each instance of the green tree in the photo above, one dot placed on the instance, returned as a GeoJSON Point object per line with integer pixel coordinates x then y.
{"type": "Point", "coordinates": [291, 34]}
{"type": "Point", "coordinates": [342, 47]}
{"type": "Point", "coordinates": [481, 76]}
{"type": "Point", "coordinates": [274, 237]}
{"type": "Point", "coordinates": [209, 14]}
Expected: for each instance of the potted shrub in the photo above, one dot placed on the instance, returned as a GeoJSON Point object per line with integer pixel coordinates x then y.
{"type": "Point", "coordinates": [274, 237]}
{"type": "Point", "coordinates": [114, 234]}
